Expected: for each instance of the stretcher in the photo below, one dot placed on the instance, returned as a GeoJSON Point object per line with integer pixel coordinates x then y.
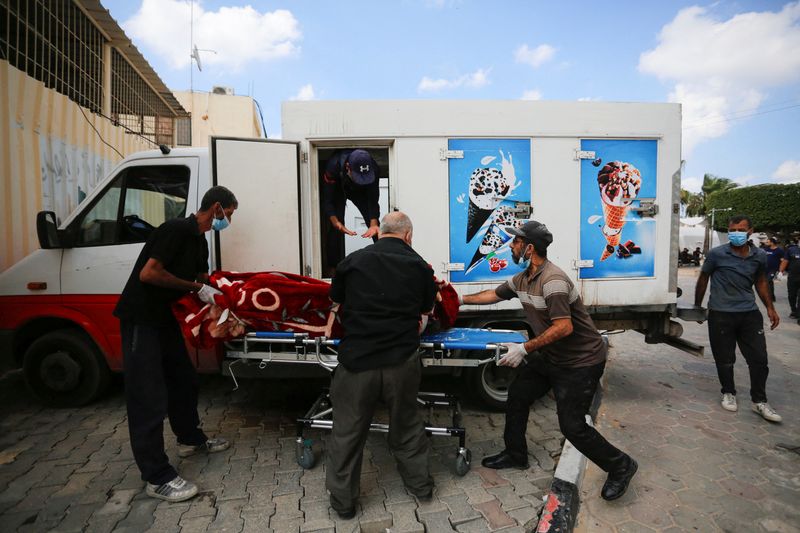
{"type": "Point", "coordinates": [443, 349]}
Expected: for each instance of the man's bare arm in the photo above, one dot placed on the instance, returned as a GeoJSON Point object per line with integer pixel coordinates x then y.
{"type": "Point", "coordinates": [762, 288]}
{"type": "Point", "coordinates": [154, 273]}
{"type": "Point", "coordinates": [489, 296]}
{"type": "Point", "coordinates": [561, 328]}
{"type": "Point", "coordinates": [700, 288]}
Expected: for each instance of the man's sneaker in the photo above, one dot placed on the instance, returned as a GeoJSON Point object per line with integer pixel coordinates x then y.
{"type": "Point", "coordinates": [209, 446]}
{"type": "Point", "coordinates": [176, 490]}
{"type": "Point", "coordinates": [729, 402]}
{"type": "Point", "coordinates": [792, 315]}
{"type": "Point", "coordinates": [766, 412]}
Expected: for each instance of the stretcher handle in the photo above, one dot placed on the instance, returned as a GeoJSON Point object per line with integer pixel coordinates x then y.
{"type": "Point", "coordinates": [278, 335]}
{"type": "Point", "coordinates": [461, 345]}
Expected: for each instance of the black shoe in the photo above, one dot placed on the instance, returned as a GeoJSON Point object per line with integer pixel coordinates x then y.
{"type": "Point", "coordinates": [792, 315]}
{"type": "Point", "coordinates": [617, 482]}
{"type": "Point", "coordinates": [347, 514]}
{"type": "Point", "coordinates": [504, 460]}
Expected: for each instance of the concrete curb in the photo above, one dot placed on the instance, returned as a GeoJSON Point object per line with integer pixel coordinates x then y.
{"type": "Point", "coordinates": [562, 503]}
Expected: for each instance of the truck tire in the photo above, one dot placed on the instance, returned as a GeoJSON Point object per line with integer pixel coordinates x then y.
{"type": "Point", "coordinates": [64, 368]}
{"type": "Point", "coordinates": [489, 384]}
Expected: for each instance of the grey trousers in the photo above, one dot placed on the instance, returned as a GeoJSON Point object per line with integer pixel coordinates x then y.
{"type": "Point", "coordinates": [354, 396]}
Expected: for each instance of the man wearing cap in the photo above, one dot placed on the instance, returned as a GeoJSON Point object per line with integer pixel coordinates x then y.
{"type": "Point", "coordinates": [349, 175]}
{"type": "Point", "coordinates": [570, 359]}
{"type": "Point", "coordinates": [774, 258]}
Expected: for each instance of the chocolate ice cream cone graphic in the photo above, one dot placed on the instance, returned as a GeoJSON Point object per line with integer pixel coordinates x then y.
{"type": "Point", "coordinates": [615, 220]}
{"type": "Point", "coordinates": [475, 219]}
{"type": "Point", "coordinates": [487, 188]}
{"type": "Point", "coordinates": [619, 185]}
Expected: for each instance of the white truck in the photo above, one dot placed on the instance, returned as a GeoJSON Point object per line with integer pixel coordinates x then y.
{"type": "Point", "coordinates": [604, 177]}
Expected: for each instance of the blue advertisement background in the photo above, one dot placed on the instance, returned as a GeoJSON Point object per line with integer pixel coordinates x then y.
{"type": "Point", "coordinates": [460, 171]}
{"type": "Point", "coordinates": [642, 231]}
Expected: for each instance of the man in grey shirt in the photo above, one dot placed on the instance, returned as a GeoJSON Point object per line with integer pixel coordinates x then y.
{"type": "Point", "coordinates": [733, 316]}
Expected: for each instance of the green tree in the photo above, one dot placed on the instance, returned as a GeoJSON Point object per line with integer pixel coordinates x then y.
{"type": "Point", "coordinates": [771, 207]}
{"type": "Point", "coordinates": [697, 204]}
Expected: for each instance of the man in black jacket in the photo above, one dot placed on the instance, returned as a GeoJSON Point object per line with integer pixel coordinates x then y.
{"type": "Point", "coordinates": [383, 289]}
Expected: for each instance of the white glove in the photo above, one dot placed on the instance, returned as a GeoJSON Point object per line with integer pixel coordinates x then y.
{"type": "Point", "coordinates": [207, 293]}
{"type": "Point", "coordinates": [780, 276]}
{"type": "Point", "coordinates": [460, 299]}
{"type": "Point", "coordinates": [515, 355]}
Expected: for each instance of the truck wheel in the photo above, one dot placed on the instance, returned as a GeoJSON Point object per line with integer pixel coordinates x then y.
{"type": "Point", "coordinates": [489, 383]}
{"type": "Point", "coordinates": [64, 368]}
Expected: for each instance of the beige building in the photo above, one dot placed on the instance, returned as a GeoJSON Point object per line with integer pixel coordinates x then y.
{"type": "Point", "coordinates": [220, 112]}
{"type": "Point", "coordinates": [76, 96]}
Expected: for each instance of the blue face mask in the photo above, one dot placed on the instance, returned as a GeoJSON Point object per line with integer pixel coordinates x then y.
{"type": "Point", "coordinates": [522, 263]}
{"type": "Point", "coordinates": [737, 238]}
{"type": "Point", "coordinates": [219, 224]}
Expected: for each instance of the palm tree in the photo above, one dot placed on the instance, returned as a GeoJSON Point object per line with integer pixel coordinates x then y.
{"type": "Point", "coordinates": [711, 184]}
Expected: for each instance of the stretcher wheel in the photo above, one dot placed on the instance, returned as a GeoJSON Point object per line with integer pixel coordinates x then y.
{"type": "Point", "coordinates": [305, 455]}
{"type": "Point", "coordinates": [463, 460]}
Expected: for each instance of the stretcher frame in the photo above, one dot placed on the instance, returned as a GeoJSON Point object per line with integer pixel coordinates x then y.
{"type": "Point", "coordinates": [269, 347]}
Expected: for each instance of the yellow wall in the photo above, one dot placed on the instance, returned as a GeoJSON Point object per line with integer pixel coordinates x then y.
{"type": "Point", "coordinates": [220, 114]}
{"type": "Point", "coordinates": [50, 157]}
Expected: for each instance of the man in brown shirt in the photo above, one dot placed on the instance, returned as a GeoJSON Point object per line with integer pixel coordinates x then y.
{"type": "Point", "coordinates": [570, 359]}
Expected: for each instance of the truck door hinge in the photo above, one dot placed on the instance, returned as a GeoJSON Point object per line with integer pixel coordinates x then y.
{"type": "Point", "coordinates": [578, 264]}
{"type": "Point", "coordinates": [304, 157]}
{"type": "Point", "coordinates": [584, 154]}
{"type": "Point", "coordinates": [445, 154]}
{"type": "Point", "coordinates": [452, 267]}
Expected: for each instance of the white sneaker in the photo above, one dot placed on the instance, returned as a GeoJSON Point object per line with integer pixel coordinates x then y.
{"type": "Point", "coordinates": [209, 446]}
{"type": "Point", "coordinates": [176, 490]}
{"type": "Point", "coordinates": [767, 412]}
{"type": "Point", "coordinates": [729, 402]}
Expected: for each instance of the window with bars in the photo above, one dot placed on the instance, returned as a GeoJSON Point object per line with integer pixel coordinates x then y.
{"type": "Point", "coordinates": [55, 43]}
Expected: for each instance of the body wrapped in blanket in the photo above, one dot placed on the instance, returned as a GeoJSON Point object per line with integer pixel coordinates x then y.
{"type": "Point", "coordinates": [278, 301]}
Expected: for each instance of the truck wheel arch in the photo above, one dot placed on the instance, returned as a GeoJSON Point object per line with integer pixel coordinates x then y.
{"type": "Point", "coordinates": [37, 327]}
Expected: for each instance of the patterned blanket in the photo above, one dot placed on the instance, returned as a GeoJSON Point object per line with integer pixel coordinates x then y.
{"type": "Point", "coordinates": [278, 301]}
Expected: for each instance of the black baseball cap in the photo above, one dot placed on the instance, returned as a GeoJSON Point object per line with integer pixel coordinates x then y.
{"type": "Point", "coordinates": [533, 231]}
{"type": "Point", "coordinates": [362, 167]}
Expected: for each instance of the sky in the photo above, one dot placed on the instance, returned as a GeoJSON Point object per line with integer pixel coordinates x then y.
{"type": "Point", "coordinates": [733, 65]}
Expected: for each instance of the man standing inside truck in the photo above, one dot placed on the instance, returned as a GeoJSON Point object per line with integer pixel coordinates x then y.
{"type": "Point", "coordinates": [349, 175]}
{"type": "Point", "coordinates": [159, 376]}
{"type": "Point", "coordinates": [733, 316]}
{"type": "Point", "coordinates": [383, 289]}
{"type": "Point", "coordinates": [570, 360]}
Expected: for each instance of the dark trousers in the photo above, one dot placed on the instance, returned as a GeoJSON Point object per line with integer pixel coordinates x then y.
{"type": "Point", "coordinates": [574, 389]}
{"type": "Point", "coordinates": [353, 397]}
{"type": "Point", "coordinates": [160, 381]}
{"type": "Point", "coordinates": [793, 286]}
{"type": "Point", "coordinates": [725, 331]}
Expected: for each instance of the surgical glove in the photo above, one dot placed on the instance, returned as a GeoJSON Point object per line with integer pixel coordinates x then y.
{"type": "Point", "coordinates": [207, 293]}
{"type": "Point", "coordinates": [515, 355]}
{"type": "Point", "coordinates": [460, 299]}
{"type": "Point", "coordinates": [780, 276]}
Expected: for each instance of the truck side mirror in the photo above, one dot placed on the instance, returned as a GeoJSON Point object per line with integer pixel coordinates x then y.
{"type": "Point", "coordinates": [47, 230]}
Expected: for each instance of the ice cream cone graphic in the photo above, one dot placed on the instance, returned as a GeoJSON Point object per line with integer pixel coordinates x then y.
{"type": "Point", "coordinates": [475, 219]}
{"type": "Point", "coordinates": [619, 185]}
{"type": "Point", "coordinates": [487, 188]}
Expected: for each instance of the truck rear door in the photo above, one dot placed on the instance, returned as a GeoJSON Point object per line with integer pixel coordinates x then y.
{"type": "Point", "coordinates": [265, 231]}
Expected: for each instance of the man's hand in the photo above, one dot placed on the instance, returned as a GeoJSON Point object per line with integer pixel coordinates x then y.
{"type": "Point", "coordinates": [207, 293]}
{"type": "Point", "coordinates": [371, 232]}
{"type": "Point", "coordinates": [515, 355]}
{"type": "Point", "coordinates": [774, 319]}
{"type": "Point", "coordinates": [341, 227]}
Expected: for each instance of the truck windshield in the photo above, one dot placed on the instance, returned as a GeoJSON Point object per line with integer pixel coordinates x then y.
{"type": "Point", "coordinates": [136, 202]}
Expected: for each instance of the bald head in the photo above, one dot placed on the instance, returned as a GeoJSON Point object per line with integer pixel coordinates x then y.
{"type": "Point", "coordinates": [396, 224]}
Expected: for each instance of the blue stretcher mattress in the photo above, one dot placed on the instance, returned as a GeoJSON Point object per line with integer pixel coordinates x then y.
{"type": "Point", "coordinates": [454, 338]}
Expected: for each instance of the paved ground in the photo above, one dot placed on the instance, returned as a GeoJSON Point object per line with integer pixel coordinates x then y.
{"type": "Point", "coordinates": [700, 468]}
{"type": "Point", "coordinates": [71, 469]}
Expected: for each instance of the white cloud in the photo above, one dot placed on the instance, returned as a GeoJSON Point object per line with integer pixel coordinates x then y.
{"type": "Point", "coordinates": [534, 57]}
{"type": "Point", "coordinates": [692, 184]}
{"type": "Point", "coordinates": [238, 35]}
{"type": "Point", "coordinates": [788, 172]}
{"type": "Point", "coordinates": [306, 92]}
{"type": "Point", "coordinates": [533, 94]}
{"type": "Point", "coordinates": [476, 80]}
{"type": "Point", "coordinates": [589, 99]}
{"type": "Point", "coordinates": [721, 68]}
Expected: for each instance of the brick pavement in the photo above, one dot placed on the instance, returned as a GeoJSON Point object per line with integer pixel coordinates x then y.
{"type": "Point", "coordinates": [72, 469]}
{"type": "Point", "coordinates": [700, 468]}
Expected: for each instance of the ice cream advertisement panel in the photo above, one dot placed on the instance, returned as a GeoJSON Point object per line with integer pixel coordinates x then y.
{"type": "Point", "coordinates": [490, 191]}
{"type": "Point", "coordinates": [619, 241]}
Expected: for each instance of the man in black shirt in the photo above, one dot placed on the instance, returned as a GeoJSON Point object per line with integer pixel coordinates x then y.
{"type": "Point", "coordinates": [159, 376]}
{"type": "Point", "coordinates": [383, 290]}
{"type": "Point", "coordinates": [349, 175]}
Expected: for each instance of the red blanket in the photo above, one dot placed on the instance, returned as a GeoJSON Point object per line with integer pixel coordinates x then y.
{"type": "Point", "coordinates": [276, 301]}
